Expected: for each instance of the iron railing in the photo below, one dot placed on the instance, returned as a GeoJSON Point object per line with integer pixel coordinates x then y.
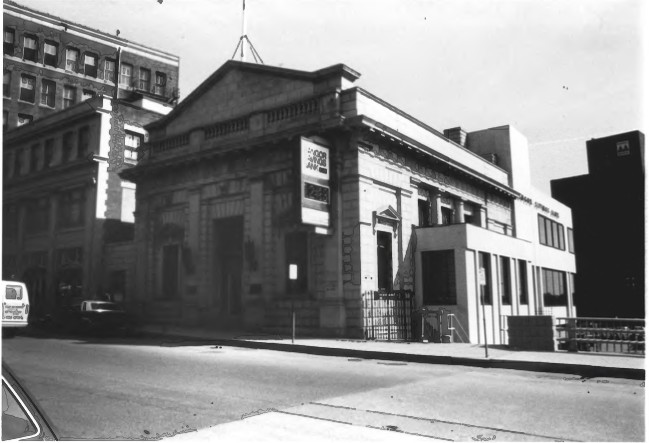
{"type": "Point", "coordinates": [387, 315]}
{"type": "Point", "coordinates": [593, 334]}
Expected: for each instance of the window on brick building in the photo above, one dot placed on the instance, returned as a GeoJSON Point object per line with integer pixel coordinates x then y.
{"type": "Point", "coordinates": [109, 70]}
{"type": "Point", "coordinates": [48, 93]}
{"type": "Point", "coordinates": [27, 86]}
{"type": "Point", "coordinates": [126, 74]}
{"type": "Point", "coordinates": [67, 146]}
{"type": "Point", "coordinates": [48, 153]}
{"type": "Point", "coordinates": [6, 84]}
{"type": "Point", "coordinates": [72, 59]}
{"type": "Point", "coordinates": [37, 215]}
{"type": "Point", "coordinates": [72, 208]}
{"type": "Point", "coordinates": [84, 141]}
{"type": "Point", "coordinates": [132, 142]}
{"type": "Point", "coordinates": [9, 41]}
{"type": "Point", "coordinates": [24, 119]}
{"type": "Point", "coordinates": [90, 64]}
{"type": "Point", "coordinates": [50, 53]}
{"type": "Point", "coordinates": [69, 94]}
{"type": "Point", "coordinates": [160, 83]}
{"type": "Point", "coordinates": [145, 79]}
{"type": "Point", "coordinates": [30, 48]}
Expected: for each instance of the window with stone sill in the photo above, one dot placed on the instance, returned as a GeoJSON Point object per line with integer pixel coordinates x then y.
{"type": "Point", "coordinates": [126, 74]}
{"type": "Point", "coordinates": [90, 64]}
{"type": "Point", "coordinates": [160, 83]}
{"type": "Point", "coordinates": [50, 53]}
{"type": "Point", "coordinates": [145, 79]}
{"type": "Point", "coordinates": [27, 88]}
{"type": "Point", "coordinates": [9, 41]}
{"type": "Point", "coordinates": [30, 48]}
{"type": "Point", "coordinates": [6, 84]}
{"type": "Point", "coordinates": [69, 94]}
{"type": "Point", "coordinates": [48, 93]}
{"type": "Point", "coordinates": [109, 70]}
{"type": "Point", "coordinates": [71, 59]}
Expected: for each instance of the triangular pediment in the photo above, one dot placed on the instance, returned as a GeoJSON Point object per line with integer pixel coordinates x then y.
{"type": "Point", "coordinates": [388, 212]}
{"type": "Point", "coordinates": [238, 89]}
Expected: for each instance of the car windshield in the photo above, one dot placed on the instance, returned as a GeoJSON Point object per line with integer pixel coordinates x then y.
{"type": "Point", "coordinates": [105, 306]}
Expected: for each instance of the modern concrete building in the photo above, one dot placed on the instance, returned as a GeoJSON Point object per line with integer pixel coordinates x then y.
{"type": "Point", "coordinates": [269, 189]}
{"type": "Point", "coordinates": [610, 259]}
{"type": "Point", "coordinates": [50, 64]}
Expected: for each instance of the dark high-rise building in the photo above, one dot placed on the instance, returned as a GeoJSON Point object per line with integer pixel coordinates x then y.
{"type": "Point", "coordinates": [608, 216]}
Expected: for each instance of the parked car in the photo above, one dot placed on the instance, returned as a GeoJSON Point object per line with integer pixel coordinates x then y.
{"type": "Point", "coordinates": [95, 316]}
{"type": "Point", "coordinates": [15, 307]}
{"type": "Point", "coordinates": [22, 418]}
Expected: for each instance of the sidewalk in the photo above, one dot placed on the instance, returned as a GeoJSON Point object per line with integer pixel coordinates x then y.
{"type": "Point", "coordinates": [583, 364]}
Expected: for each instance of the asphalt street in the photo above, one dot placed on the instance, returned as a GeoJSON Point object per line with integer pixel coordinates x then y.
{"type": "Point", "coordinates": [139, 388]}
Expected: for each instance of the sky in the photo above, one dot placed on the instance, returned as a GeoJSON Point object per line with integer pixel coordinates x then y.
{"type": "Point", "coordinates": [561, 72]}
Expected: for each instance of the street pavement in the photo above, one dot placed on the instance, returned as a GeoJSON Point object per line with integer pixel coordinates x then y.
{"type": "Point", "coordinates": [147, 387]}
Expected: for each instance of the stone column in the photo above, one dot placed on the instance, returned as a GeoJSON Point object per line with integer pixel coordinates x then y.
{"type": "Point", "coordinates": [459, 210]}
{"type": "Point", "coordinates": [483, 217]}
{"type": "Point", "coordinates": [436, 208]}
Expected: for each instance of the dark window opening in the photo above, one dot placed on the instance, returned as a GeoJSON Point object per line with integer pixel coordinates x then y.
{"type": "Point", "coordinates": [522, 282]}
{"type": "Point", "coordinates": [37, 216]}
{"type": "Point", "coordinates": [438, 283]}
{"type": "Point", "coordinates": [84, 140]}
{"type": "Point", "coordinates": [505, 288]}
{"type": "Point", "coordinates": [6, 84]}
{"type": "Point", "coordinates": [48, 93]}
{"type": "Point", "coordinates": [447, 215]}
{"type": "Point", "coordinates": [90, 64]}
{"type": "Point", "coordinates": [33, 158]}
{"type": "Point", "coordinates": [551, 233]}
{"type": "Point", "coordinates": [68, 145]}
{"type": "Point", "coordinates": [424, 213]}
{"type": "Point", "coordinates": [484, 263]}
{"type": "Point", "coordinates": [170, 269]}
{"type": "Point", "coordinates": [9, 41]}
{"type": "Point", "coordinates": [48, 153]}
{"type": "Point", "coordinates": [384, 258]}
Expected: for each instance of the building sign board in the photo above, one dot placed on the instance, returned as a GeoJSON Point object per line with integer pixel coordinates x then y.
{"type": "Point", "coordinates": [314, 183]}
{"type": "Point", "coordinates": [623, 148]}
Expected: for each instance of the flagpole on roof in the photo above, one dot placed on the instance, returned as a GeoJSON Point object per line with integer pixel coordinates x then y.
{"type": "Point", "coordinates": [244, 39]}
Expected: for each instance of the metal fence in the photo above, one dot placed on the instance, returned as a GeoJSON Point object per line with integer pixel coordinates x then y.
{"type": "Point", "coordinates": [387, 315]}
{"type": "Point", "coordinates": [592, 334]}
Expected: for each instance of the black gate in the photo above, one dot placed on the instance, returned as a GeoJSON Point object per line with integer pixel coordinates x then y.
{"type": "Point", "coordinates": [387, 315]}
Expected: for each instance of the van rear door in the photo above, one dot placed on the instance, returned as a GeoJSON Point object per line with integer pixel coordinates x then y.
{"type": "Point", "coordinates": [15, 305]}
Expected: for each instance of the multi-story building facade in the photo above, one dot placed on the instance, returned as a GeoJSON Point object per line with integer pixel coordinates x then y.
{"type": "Point", "coordinates": [51, 64]}
{"type": "Point", "coordinates": [67, 215]}
{"type": "Point", "coordinates": [271, 189]}
{"type": "Point", "coordinates": [610, 261]}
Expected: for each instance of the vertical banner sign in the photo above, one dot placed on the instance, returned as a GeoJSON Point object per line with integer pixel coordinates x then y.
{"type": "Point", "coordinates": [314, 181]}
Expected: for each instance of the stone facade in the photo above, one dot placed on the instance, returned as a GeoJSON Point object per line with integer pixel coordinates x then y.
{"type": "Point", "coordinates": [220, 195]}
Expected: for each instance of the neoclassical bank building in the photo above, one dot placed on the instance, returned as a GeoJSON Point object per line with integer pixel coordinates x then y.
{"type": "Point", "coordinates": [269, 191]}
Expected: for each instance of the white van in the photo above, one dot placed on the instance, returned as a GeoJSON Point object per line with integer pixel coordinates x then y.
{"type": "Point", "coordinates": [15, 307]}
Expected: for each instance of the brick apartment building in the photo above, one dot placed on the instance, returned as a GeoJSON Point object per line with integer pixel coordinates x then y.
{"type": "Point", "coordinates": [67, 215]}
{"type": "Point", "coordinates": [51, 64]}
{"type": "Point", "coordinates": [261, 168]}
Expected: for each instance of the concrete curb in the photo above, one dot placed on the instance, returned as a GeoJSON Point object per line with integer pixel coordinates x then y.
{"type": "Point", "coordinates": [585, 371]}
